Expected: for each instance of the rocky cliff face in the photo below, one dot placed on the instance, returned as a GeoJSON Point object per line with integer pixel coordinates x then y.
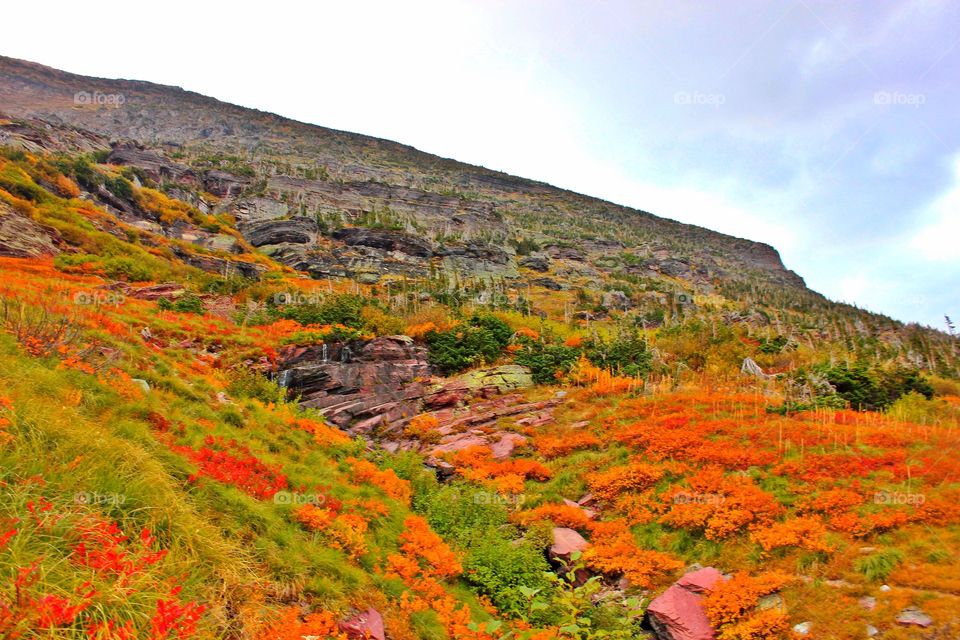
{"type": "Point", "coordinates": [421, 213]}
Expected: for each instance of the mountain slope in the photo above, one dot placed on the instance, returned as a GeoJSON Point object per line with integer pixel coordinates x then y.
{"type": "Point", "coordinates": [264, 380]}
{"type": "Point", "coordinates": [157, 114]}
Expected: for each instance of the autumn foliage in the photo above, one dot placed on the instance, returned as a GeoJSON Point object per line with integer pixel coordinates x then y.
{"type": "Point", "coordinates": [613, 550]}
{"type": "Point", "coordinates": [731, 607]}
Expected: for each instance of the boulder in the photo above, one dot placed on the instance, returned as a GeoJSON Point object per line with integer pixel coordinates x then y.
{"type": "Point", "coordinates": [362, 384]}
{"type": "Point", "coordinates": [701, 580]}
{"type": "Point", "coordinates": [678, 614]}
{"type": "Point", "coordinates": [458, 442]}
{"type": "Point", "coordinates": [589, 513]}
{"type": "Point", "coordinates": [157, 291]}
{"type": "Point", "coordinates": [535, 263]}
{"type": "Point", "coordinates": [367, 625]}
{"type": "Point", "coordinates": [914, 617]}
{"type": "Point", "coordinates": [446, 397]}
{"type": "Point", "coordinates": [548, 283]}
{"type": "Point", "coordinates": [566, 542]}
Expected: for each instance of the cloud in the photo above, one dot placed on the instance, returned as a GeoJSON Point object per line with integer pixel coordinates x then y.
{"type": "Point", "coordinates": [940, 240]}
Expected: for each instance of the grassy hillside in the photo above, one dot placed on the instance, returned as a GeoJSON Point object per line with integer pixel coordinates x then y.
{"type": "Point", "coordinates": [159, 480]}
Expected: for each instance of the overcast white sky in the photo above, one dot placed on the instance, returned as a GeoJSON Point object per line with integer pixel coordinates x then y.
{"type": "Point", "coordinates": [828, 130]}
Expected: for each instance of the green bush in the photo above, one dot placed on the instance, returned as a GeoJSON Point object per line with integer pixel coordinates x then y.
{"type": "Point", "coordinates": [119, 187]}
{"type": "Point", "coordinates": [877, 566]}
{"type": "Point", "coordinates": [247, 383]}
{"type": "Point", "coordinates": [772, 345]}
{"type": "Point", "coordinates": [498, 567]}
{"type": "Point", "coordinates": [627, 355]}
{"type": "Point", "coordinates": [872, 389]}
{"type": "Point", "coordinates": [545, 360]}
{"type": "Point", "coordinates": [187, 303]}
{"type": "Point", "coordinates": [482, 339]}
{"type": "Point", "coordinates": [342, 309]}
{"type": "Point", "coordinates": [123, 268]}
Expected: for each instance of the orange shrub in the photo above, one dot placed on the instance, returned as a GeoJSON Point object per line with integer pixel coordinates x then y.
{"type": "Point", "coordinates": [313, 517]}
{"type": "Point", "coordinates": [636, 476]}
{"type": "Point", "coordinates": [526, 332]}
{"type": "Point", "coordinates": [562, 515]}
{"type": "Point", "coordinates": [718, 505]}
{"type": "Point", "coordinates": [5, 406]}
{"type": "Point", "coordinates": [602, 382]}
{"type": "Point", "coordinates": [429, 553]}
{"type": "Point", "coordinates": [323, 434]}
{"type": "Point", "coordinates": [291, 626]}
{"type": "Point", "coordinates": [803, 532]}
{"type": "Point", "coordinates": [345, 531]}
{"type": "Point", "coordinates": [364, 471]}
{"type": "Point", "coordinates": [477, 464]}
{"type": "Point", "coordinates": [552, 446]}
{"type": "Point", "coordinates": [66, 187]}
{"type": "Point", "coordinates": [731, 607]}
{"type": "Point", "coordinates": [423, 427]}
{"type": "Point", "coordinates": [573, 341]}
{"type": "Point", "coordinates": [831, 502]}
{"type": "Point", "coordinates": [614, 550]}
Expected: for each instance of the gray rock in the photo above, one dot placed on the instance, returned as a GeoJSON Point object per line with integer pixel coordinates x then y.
{"type": "Point", "coordinates": [386, 239]}
{"type": "Point", "coordinates": [223, 184]}
{"type": "Point", "coordinates": [21, 237]}
{"type": "Point", "coordinates": [548, 283]}
{"type": "Point", "coordinates": [154, 166]}
{"type": "Point", "coordinates": [914, 617]}
{"type": "Point", "coordinates": [536, 263]}
{"type": "Point", "coordinates": [617, 300]}
{"type": "Point", "coordinates": [294, 231]}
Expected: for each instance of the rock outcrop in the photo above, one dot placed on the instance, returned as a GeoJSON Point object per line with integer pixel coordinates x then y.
{"type": "Point", "coordinates": [21, 237]}
{"type": "Point", "coordinates": [358, 385]}
{"type": "Point", "coordinates": [385, 239]}
{"type": "Point", "coordinates": [299, 230]}
{"type": "Point", "coordinates": [154, 166]}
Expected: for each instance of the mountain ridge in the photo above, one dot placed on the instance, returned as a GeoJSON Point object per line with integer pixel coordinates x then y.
{"type": "Point", "coordinates": [51, 95]}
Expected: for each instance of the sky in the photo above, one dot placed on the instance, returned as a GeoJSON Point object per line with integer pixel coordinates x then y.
{"type": "Point", "coordinates": [826, 129]}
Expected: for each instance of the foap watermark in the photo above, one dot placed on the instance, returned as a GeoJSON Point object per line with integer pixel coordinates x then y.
{"type": "Point", "coordinates": [699, 98]}
{"type": "Point", "coordinates": [99, 99]}
{"type": "Point", "coordinates": [695, 497]}
{"type": "Point", "coordinates": [95, 498]}
{"type": "Point", "coordinates": [899, 498]}
{"type": "Point", "coordinates": [296, 297]}
{"type": "Point", "coordinates": [492, 497]}
{"type": "Point", "coordinates": [899, 99]}
{"type": "Point", "coordinates": [99, 298]}
{"type": "Point", "coordinates": [293, 497]}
